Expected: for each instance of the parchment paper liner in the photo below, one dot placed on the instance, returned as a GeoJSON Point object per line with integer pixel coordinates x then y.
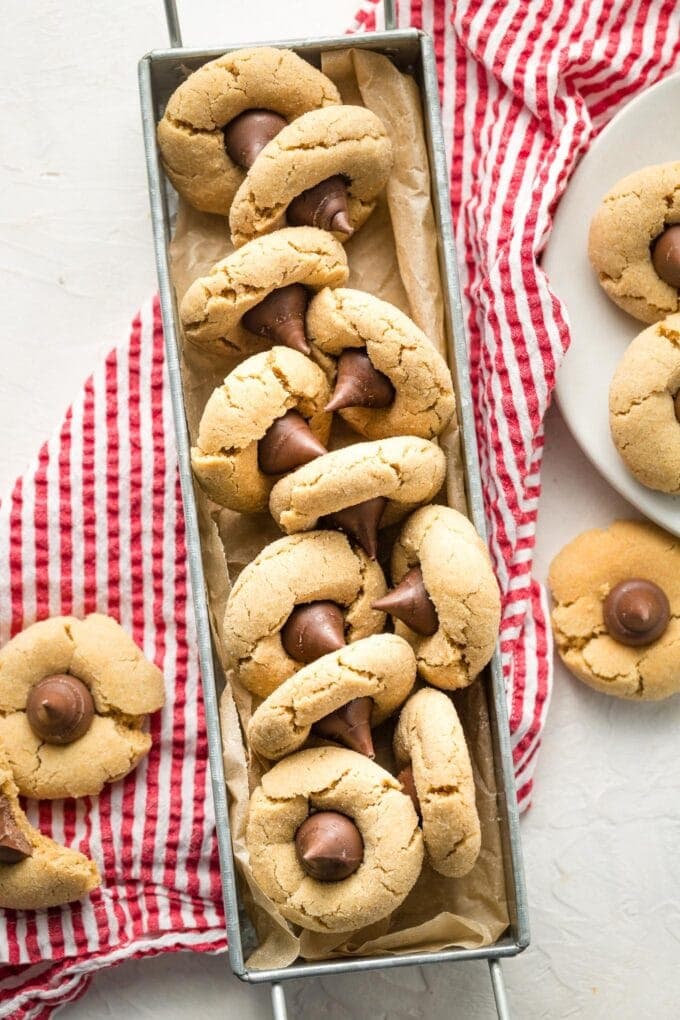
{"type": "Point", "coordinates": [393, 256]}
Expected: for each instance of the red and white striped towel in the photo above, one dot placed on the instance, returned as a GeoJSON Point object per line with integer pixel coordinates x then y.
{"type": "Point", "coordinates": [96, 523]}
{"type": "Point", "coordinates": [525, 85]}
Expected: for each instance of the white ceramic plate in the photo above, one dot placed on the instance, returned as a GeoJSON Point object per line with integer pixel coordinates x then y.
{"type": "Point", "coordinates": [644, 132]}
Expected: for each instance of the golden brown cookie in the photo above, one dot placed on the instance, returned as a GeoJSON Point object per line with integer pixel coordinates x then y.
{"type": "Point", "coordinates": [346, 141]}
{"type": "Point", "coordinates": [337, 780]}
{"type": "Point", "coordinates": [403, 470]}
{"type": "Point", "coordinates": [36, 872]}
{"type": "Point", "coordinates": [121, 683]}
{"type": "Point", "coordinates": [226, 459]}
{"type": "Point", "coordinates": [381, 667]}
{"type": "Point", "coordinates": [293, 571]}
{"type": "Point", "coordinates": [586, 580]}
{"type": "Point", "coordinates": [430, 739]}
{"type": "Point", "coordinates": [191, 133]}
{"type": "Point", "coordinates": [459, 580]}
{"type": "Point", "coordinates": [623, 235]}
{"type": "Point", "coordinates": [214, 305]}
{"type": "Point", "coordinates": [644, 408]}
{"type": "Point", "coordinates": [343, 319]}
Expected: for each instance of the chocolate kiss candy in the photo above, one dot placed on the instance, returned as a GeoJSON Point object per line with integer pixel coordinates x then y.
{"type": "Point", "coordinates": [246, 135]}
{"type": "Point", "coordinates": [666, 255]}
{"type": "Point", "coordinates": [406, 779]}
{"type": "Point", "coordinates": [350, 725]}
{"type": "Point", "coordinates": [361, 521]}
{"type": "Point", "coordinates": [410, 602]}
{"type": "Point", "coordinates": [359, 384]}
{"type": "Point", "coordinates": [676, 405]}
{"type": "Point", "coordinates": [324, 206]}
{"type": "Point", "coordinates": [280, 317]}
{"type": "Point", "coordinates": [329, 846]}
{"type": "Point", "coordinates": [59, 709]}
{"type": "Point", "coordinates": [636, 612]}
{"type": "Point", "coordinates": [287, 444]}
{"type": "Point", "coordinates": [313, 630]}
{"type": "Point", "coordinates": [14, 846]}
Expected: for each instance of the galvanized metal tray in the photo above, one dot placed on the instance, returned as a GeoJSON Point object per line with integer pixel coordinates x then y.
{"type": "Point", "coordinates": [160, 72]}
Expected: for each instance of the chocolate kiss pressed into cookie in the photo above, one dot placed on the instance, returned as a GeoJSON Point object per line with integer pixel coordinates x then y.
{"type": "Point", "coordinates": [324, 206]}
{"type": "Point", "coordinates": [287, 444]}
{"type": "Point", "coordinates": [361, 522]}
{"type": "Point", "coordinates": [636, 612]}
{"type": "Point", "coordinates": [666, 255]}
{"type": "Point", "coordinates": [329, 846]}
{"type": "Point", "coordinates": [59, 709]}
{"type": "Point", "coordinates": [359, 383]}
{"type": "Point", "coordinates": [312, 630]}
{"type": "Point", "coordinates": [246, 135]}
{"type": "Point", "coordinates": [280, 317]}
{"type": "Point", "coordinates": [350, 725]}
{"type": "Point", "coordinates": [676, 405]}
{"type": "Point", "coordinates": [14, 846]}
{"type": "Point", "coordinates": [411, 604]}
{"type": "Point", "coordinates": [406, 779]}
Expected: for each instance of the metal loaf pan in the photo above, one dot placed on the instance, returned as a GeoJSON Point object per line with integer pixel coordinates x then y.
{"type": "Point", "coordinates": [160, 72]}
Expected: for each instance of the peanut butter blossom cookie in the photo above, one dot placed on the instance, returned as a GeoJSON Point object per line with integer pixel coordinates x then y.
{"type": "Point", "coordinates": [446, 601]}
{"type": "Point", "coordinates": [219, 120]}
{"type": "Point", "coordinates": [266, 419]}
{"type": "Point", "coordinates": [360, 488]}
{"type": "Point", "coordinates": [430, 750]}
{"type": "Point", "coordinates": [389, 379]}
{"type": "Point", "coordinates": [302, 597]}
{"type": "Point", "coordinates": [74, 696]}
{"type": "Point", "coordinates": [260, 293]}
{"type": "Point", "coordinates": [634, 243]}
{"type": "Point", "coordinates": [36, 872]}
{"type": "Point", "coordinates": [325, 169]}
{"type": "Point", "coordinates": [617, 601]}
{"type": "Point", "coordinates": [333, 840]}
{"type": "Point", "coordinates": [339, 696]}
{"type": "Point", "coordinates": [644, 406]}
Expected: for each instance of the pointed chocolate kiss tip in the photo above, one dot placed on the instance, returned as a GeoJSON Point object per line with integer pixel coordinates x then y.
{"type": "Point", "coordinates": [361, 522]}
{"type": "Point", "coordinates": [280, 317]}
{"type": "Point", "coordinates": [350, 725]}
{"type": "Point", "coordinates": [287, 444]}
{"type": "Point", "coordinates": [359, 383]}
{"type": "Point", "coordinates": [340, 224]}
{"type": "Point", "coordinates": [409, 602]}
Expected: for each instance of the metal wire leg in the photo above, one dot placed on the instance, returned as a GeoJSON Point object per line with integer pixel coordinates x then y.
{"type": "Point", "coordinates": [172, 18]}
{"type": "Point", "coordinates": [279, 1010]}
{"type": "Point", "coordinates": [390, 14]}
{"type": "Point", "coordinates": [498, 985]}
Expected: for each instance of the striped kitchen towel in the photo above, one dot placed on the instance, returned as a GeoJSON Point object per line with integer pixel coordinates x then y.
{"type": "Point", "coordinates": [525, 85]}
{"type": "Point", "coordinates": [96, 524]}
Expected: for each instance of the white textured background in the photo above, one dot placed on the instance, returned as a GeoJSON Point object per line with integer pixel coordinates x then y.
{"type": "Point", "coordinates": [602, 842]}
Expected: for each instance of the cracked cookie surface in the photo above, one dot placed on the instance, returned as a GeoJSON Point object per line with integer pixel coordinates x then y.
{"type": "Point", "coordinates": [459, 579]}
{"type": "Point", "coordinates": [582, 575]}
{"type": "Point", "coordinates": [214, 305]}
{"type": "Point", "coordinates": [430, 738]}
{"type": "Point", "coordinates": [406, 470]}
{"type": "Point", "coordinates": [634, 213]}
{"type": "Point", "coordinates": [298, 569]}
{"type": "Point", "coordinates": [52, 874]}
{"type": "Point", "coordinates": [190, 133]}
{"type": "Point", "coordinates": [259, 390]}
{"type": "Point", "coordinates": [381, 667]}
{"type": "Point", "coordinates": [424, 403]}
{"type": "Point", "coordinates": [642, 417]}
{"type": "Point", "coordinates": [334, 779]}
{"type": "Point", "coordinates": [349, 141]}
{"type": "Point", "coordinates": [124, 686]}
